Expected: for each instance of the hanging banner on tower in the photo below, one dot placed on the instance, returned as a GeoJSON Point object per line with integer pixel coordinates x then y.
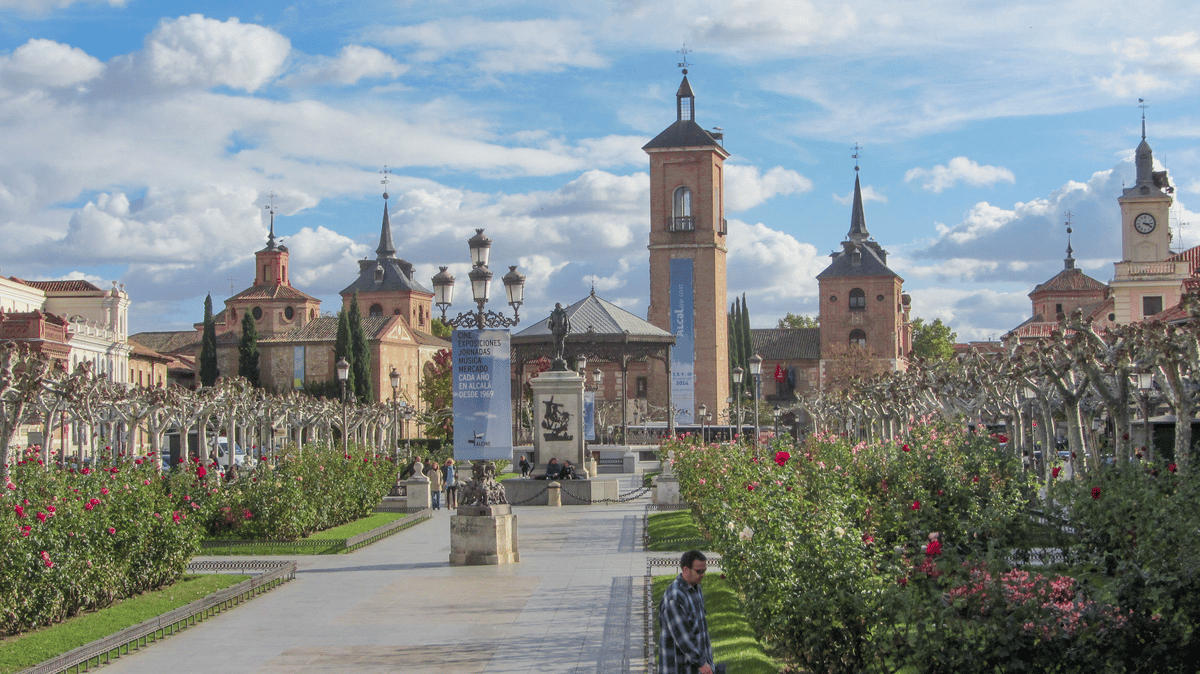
{"type": "Point", "coordinates": [683, 354]}
{"type": "Point", "coordinates": [482, 395]}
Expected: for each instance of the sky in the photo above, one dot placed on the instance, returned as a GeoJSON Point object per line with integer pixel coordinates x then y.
{"type": "Point", "coordinates": [142, 139]}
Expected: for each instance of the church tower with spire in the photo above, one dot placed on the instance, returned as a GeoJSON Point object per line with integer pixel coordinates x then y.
{"type": "Point", "coordinates": [276, 306]}
{"type": "Point", "coordinates": [386, 286]}
{"type": "Point", "coordinates": [1145, 282]}
{"type": "Point", "coordinates": [687, 260]}
{"type": "Point", "coordinates": [863, 307]}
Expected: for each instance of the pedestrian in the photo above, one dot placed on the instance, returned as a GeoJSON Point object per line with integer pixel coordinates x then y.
{"type": "Point", "coordinates": [684, 645]}
{"type": "Point", "coordinates": [435, 486]}
{"type": "Point", "coordinates": [525, 468]}
{"type": "Point", "coordinates": [450, 475]}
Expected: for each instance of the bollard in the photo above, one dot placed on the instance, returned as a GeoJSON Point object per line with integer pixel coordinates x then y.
{"type": "Point", "coordinates": [554, 494]}
{"type": "Point", "coordinates": [418, 492]}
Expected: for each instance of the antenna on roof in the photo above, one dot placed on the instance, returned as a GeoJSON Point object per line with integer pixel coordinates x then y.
{"type": "Point", "coordinates": [857, 149]}
{"type": "Point", "coordinates": [385, 173]}
{"type": "Point", "coordinates": [684, 63]}
{"type": "Point", "coordinates": [231, 280]}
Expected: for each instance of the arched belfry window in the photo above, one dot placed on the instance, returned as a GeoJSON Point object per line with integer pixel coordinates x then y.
{"type": "Point", "coordinates": [858, 300]}
{"type": "Point", "coordinates": [376, 310]}
{"type": "Point", "coordinates": [858, 338]}
{"type": "Point", "coordinates": [681, 210]}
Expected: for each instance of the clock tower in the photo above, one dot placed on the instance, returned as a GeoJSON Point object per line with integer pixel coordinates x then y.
{"type": "Point", "coordinates": [1145, 282]}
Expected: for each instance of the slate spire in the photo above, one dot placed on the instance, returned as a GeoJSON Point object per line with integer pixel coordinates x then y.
{"type": "Point", "coordinates": [386, 249]}
{"type": "Point", "coordinates": [858, 221]}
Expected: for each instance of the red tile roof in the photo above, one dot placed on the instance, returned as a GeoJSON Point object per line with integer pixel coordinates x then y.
{"type": "Point", "coordinates": [73, 286]}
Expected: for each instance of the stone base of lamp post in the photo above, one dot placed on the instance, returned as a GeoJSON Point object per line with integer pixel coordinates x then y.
{"type": "Point", "coordinates": [484, 536]}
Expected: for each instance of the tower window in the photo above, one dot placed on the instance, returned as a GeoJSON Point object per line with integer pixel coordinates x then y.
{"type": "Point", "coordinates": [376, 310]}
{"type": "Point", "coordinates": [681, 211]}
{"type": "Point", "coordinates": [1058, 310]}
{"type": "Point", "coordinates": [289, 313]}
{"type": "Point", "coordinates": [1151, 304]}
{"type": "Point", "coordinates": [858, 300]}
{"type": "Point", "coordinates": [257, 313]}
{"type": "Point", "coordinates": [858, 338]}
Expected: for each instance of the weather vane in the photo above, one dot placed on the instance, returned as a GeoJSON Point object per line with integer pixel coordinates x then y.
{"type": "Point", "coordinates": [385, 173]}
{"type": "Point", "coordinates": [857, 150]}
{"type": "Point", "coordinates": [1143, 106]}
{"type": "Point", "coordinates": [1069, 215]}
{"type": "Point", "coordinates": [270, 208]}
{"type": "Point", "coordinates": [685, 51]}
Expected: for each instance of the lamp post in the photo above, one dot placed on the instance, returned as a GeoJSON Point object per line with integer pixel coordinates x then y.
{"type": "Point", "coordinates": [395, 377]}
{"type": "Point", "coordinates": [756, 372]}
{"type": "Point", "coordinates": [776, 412]}
{"type": "Point", "coordinates": [406, 415]}
{"type": "Point", "coordinates": [598, 377]}
{"type": "Point", "coordinates": [481, 282]}
{"type": "Point", "coordinates": [1145, 384]}
{"type": "Point", "coordinates": [737, 379]}
{"type": "Point", "coordinates": [700, 415]}
{"type": "Point", "coordinates": [1030, 395]}
{"type": "Point", "coordinates": [343, 372]}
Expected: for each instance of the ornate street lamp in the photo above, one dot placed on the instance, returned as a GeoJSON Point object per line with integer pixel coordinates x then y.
{"type": "Point", "coordinates": [481, 282]}
{"type": "Point", "coordinates": [701, 414]}
{"type": "Point", "coordinates": [776, 412]}
{"type": "Point", "coordinates": [394, 376]}
{"type": "Point", "coordinates": [1145, 384]}
{"type": "Point", "coordinates": [343, 373]}
{"type": "Point", "coordinates": [756, 372]}
{"type": "Point", "coordinates": [737, 379]}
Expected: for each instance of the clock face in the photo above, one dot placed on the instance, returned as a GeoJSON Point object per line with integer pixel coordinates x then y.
{"type": "Point", "coordinates": [1144, 223]}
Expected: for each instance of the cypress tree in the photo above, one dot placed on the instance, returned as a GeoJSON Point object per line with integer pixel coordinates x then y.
{"type": "Point", "coordinates": [747, 339]}
{"type": "Point", "coordinates": [735, 344]}
{"type": "Point", "coordinates": [341, 348]}
{"type": "Point", "coordinates": [360, 364]}
{"type": "Point", "coordinates": [248, 350]}
{"type": "Point", "coordinates": [208, 346]}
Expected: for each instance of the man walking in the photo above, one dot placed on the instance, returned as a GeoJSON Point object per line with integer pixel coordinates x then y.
{"type": "Point", "coordinates": [684, 646]}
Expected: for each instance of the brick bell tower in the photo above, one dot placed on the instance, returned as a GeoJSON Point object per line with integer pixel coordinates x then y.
{"type": "Point", "coordinates": [687, 261]}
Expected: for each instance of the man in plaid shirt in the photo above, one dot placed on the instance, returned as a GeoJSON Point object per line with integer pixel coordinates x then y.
{"type": "Point", "coordinates": [684, 647]}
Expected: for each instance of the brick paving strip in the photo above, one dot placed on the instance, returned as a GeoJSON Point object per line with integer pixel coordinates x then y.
{"type": "Point", "coordinates": [398, 606]}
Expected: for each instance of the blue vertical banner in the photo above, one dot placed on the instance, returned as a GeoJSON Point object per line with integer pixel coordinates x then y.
{"type": "Point", "coordinates": [589, 415]}
{"type": "Point", "coordinates": [683, 354]}
{"type": "Point", "coordinates": [297, 367]}
{"type": "Point", "coordinates": [482, 395]}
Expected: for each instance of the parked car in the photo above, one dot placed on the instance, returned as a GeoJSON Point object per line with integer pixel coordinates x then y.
{"type": "Point", "coordinates": [240, 457]}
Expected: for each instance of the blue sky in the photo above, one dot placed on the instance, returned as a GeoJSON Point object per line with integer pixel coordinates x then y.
{"type": "Point", "coordinates": [141, 140]}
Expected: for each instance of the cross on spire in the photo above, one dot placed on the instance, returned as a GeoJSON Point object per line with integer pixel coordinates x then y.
{"type": "Point", "coordinates": [1142, 104]}
{"type": "Point", "coordinates": [385, 173]}
{"type": "Point", "coordinates": [684, 63]}
{"type": "Point", "coordinates": [1069, 263]}
{"type": "Point", "coordinates": [857, 149]}
{"type": "Point", "coordinates": [270, 208]}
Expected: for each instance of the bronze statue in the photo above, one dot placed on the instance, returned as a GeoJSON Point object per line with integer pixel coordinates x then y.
{"type": "Point", "coordinates": [559, 326]}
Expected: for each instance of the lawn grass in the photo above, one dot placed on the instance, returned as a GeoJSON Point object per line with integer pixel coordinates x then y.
{"type": "Point", "coordinates": [671, 525]}
{"type": "Point", "coordinates": [733, 641]}
{"type": "Point", "coordinates": [648, 478]}
{"type": "Point", "coordinates": [359, 526]}
{"type": "Point", "coordinates": [31, 648]}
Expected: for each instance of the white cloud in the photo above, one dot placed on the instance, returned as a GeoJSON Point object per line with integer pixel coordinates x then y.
{"type": "Point", "coordinates": [196, 51]}
{"type": "Point", "coordinates": [975, 314]}
{"type": "Point", "coordinates": [352, 64]}
{"type": "Point", "coordinates": [869, 193]}
{"type": "Point", "coordinates": [537, 45]}
{"type": "Point", "coordinates": [959, 169]}
{"type": "Point", "coordinates": [46, 63]}
{"type": "Point", "coordinates": [1148, 65]}
{"type": "Point", "coordinates": [747, 187]}
{"type": "Point", "coordinates": [776, 272]}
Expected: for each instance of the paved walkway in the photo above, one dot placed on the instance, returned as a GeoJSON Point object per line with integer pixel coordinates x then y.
{"type": "Point", "coordinates": [571, 605]}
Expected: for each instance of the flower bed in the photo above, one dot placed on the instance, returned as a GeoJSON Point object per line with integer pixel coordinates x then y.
{"type": "Point", "coordinates": [77, 540]}
{"type": "Point", "coordinates": [873, 557]}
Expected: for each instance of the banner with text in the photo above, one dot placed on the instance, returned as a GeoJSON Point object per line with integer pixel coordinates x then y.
{"type": "Point", "coordinates": [683, 354]}
{"type": "Point", "coordinates": [482, 395]}
{"type": "Point", "coordinates": [589, 416]}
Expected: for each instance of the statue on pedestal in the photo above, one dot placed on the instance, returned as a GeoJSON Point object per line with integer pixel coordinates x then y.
{"type": "Point", "coordinates": [559, 326]}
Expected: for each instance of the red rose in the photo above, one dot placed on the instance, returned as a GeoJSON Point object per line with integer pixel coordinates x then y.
{"type": "Point", "coordinates": [916, 505]}
{"type": "Point", "coordinates": [1171, 467]}
{"type": "Point", "coordinates": [111, 530]}
{"type": "Point", "coordinates": [1096, 493]}
{"type": "Point", "coordinates": [782, 457]}
{"type": "Point", "coordinates": [1055, 471]}
{"type": "Point", "coordinates": [200, 471]}
{"type": "Point", "coordinates": [934, 548]}
{"type": "Point", "coordinates": [905, 448]}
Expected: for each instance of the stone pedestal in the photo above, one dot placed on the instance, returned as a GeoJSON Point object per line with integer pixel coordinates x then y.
{"type": "Point", "coordinates": [483, 535]}
{"type": "Point", "coordinates": [558, 420]}
{"type": "Point", "coordinates": [666, 489]}
{"type": "Point", "coordinates": [554, 494]}
{"type": "Point", "coordinates": [419, 492]}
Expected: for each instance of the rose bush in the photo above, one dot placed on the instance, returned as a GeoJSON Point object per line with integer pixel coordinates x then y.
{"type": "Point", "coordinates": [73, 540]}
{"type": "Point", "coordinates": [857, 551]}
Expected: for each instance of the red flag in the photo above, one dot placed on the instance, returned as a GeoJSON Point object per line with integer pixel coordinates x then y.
{"type": "Point", "coordinates": [780, 375]}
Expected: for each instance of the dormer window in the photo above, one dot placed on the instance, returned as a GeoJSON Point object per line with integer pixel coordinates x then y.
{"type": "Point", "coordinates": [379, 273]}
{"type": "Point", "coordinates": [681, 210]}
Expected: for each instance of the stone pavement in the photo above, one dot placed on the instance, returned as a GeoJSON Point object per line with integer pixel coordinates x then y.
{"type": "Point", "coordinates": [571, 605]}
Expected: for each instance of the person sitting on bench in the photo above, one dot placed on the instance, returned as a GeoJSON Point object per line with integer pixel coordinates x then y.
{"type": "Point", "coordinates": [552, 471]}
